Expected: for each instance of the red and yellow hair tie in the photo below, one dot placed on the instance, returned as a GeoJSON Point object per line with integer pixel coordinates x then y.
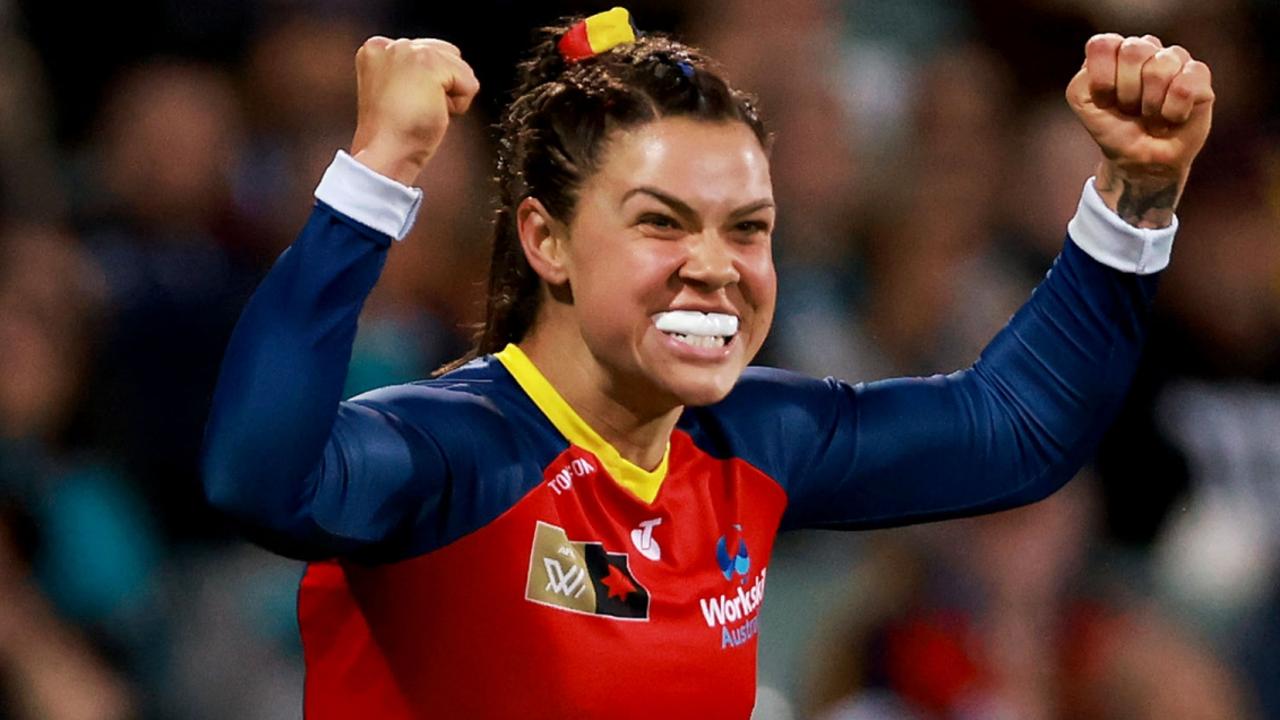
{"type": "Point", "coordinates": [596, 34]}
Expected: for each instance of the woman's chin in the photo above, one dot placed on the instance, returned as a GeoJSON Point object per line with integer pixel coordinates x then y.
{"type": "Point", "coordinates": [692, 377]}
{"type": "Point", "coordinates": [702, 387]}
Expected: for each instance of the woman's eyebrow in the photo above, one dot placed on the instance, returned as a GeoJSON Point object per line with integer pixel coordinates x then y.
{"type": "Point", "coordinates": [752, 207]}
{"type": "Point", "coordinates": [678, 206]}
{"type": "Point", "coordinates": [682, 208]}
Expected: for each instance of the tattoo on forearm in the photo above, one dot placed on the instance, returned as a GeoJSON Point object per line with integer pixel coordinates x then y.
{"type": "Point", "coordinates": [1146, 204]}
{"type": "Point", "coordinates": [1143, 206]}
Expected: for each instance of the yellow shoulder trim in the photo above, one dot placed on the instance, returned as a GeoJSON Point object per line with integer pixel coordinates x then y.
{"type": "Point", "coordinates": [642, 483]}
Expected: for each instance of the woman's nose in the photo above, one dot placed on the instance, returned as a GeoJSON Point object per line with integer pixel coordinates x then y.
{"type": "Point", "coordinates": [710, 261]}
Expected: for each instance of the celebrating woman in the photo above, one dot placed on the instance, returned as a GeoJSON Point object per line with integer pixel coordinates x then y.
{"type": "Point", "coordinates": [576, 520]}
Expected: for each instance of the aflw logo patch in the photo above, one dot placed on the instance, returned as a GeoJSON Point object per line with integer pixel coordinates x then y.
{"type": "Point", "coordinates": [582, 577]}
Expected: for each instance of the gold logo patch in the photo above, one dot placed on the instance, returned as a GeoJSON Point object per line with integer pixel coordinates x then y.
{"type": "Point", "coordinates": [582, 577]}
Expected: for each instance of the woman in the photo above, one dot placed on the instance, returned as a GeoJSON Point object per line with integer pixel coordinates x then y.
{"type": "Point", "coordinates": [577, 523]}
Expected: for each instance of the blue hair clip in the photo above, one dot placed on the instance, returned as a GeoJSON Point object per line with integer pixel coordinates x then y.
{"type": "Point", "coordinates": [685, 68]}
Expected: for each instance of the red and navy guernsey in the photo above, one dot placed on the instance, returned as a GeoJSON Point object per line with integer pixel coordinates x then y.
{"type": "Point", "coordinates": [478, 551]}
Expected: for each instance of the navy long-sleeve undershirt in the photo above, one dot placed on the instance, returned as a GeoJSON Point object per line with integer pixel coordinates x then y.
{"type": "Point", "coordinates": [311, 476]}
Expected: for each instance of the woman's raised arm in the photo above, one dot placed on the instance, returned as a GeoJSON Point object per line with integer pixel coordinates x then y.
{"type": "Point", "coordinates": [305, 474]}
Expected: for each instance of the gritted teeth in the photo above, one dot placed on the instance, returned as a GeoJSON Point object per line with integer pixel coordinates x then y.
{"type": "Point", "coordinates": [702, 341]}
{"type": "Point", "coordinates": [697, 324]}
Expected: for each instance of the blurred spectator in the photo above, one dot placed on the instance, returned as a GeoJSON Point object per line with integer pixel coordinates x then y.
{"type": "Point", "coordinates": [169, 138]}
{"type": "Point", "coordinates": [74, 540]}
{"type": "Point", "coordinates": [986, 618]}
{"type": "Point", "coordinates": [162, 227]}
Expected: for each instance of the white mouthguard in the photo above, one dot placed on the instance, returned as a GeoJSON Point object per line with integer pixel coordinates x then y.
{"type": "Point", "coordinates": [692, 322]}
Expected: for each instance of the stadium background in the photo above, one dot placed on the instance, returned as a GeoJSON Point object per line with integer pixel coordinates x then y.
{"type": "Point", "coordinates": [155, 156]}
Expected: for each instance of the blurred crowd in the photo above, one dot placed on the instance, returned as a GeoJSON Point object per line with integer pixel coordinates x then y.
{"type": "Point", "coordinates": [154, 160]}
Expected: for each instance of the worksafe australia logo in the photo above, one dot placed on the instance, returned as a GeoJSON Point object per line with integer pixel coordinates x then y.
{"type": "Point", "coordinates": [582, 577]}
{"type": "Point", "coordinates": [735, 612]}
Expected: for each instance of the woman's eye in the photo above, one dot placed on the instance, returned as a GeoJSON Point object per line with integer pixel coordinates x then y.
{"type": "Point", "coordinates": [661, 222]}
{"type": "Point", "coordinates": [752, 227]}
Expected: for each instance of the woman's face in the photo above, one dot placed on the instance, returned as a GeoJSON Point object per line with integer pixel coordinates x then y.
{"type": "Point", "coordinates": [677, 218]}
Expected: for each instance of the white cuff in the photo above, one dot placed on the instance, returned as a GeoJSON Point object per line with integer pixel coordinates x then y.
{"type": "Point", "coordinates": [363, 195]}
{"type": "Point", "coordinates": [1101, 233]}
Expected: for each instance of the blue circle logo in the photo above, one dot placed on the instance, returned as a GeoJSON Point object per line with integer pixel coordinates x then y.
{"type": "Point", "coordinates": [732, 555]}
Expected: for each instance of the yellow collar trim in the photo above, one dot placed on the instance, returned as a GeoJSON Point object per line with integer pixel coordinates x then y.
{"type": "Point", "coordinates": [642, 483]}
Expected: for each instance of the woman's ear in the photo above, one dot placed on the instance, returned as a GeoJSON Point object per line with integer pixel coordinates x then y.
{"type": "Point", "coordinates": [542, 238]}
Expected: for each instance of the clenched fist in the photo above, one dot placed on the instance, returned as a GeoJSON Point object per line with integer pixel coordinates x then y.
{"type": "Point", "coordinates": [1149, 108]}
{"type": "Point", "coordinates": [407, 90]}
